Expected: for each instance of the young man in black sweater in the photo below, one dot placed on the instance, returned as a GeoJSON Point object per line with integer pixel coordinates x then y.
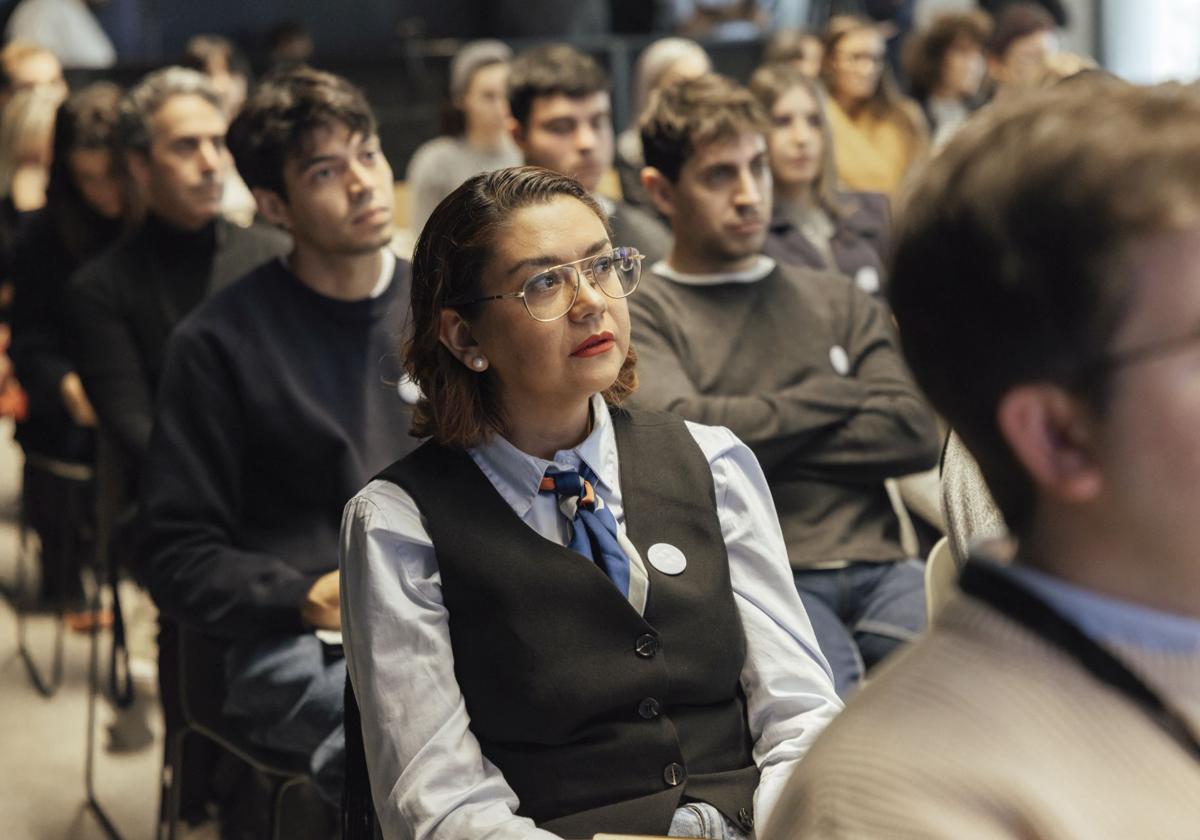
{"type": "Point", "coordinates": [800, 365]}
{"type": "Point", "coordinates": [281, 397]}
{"type": "Point", "coordinates": [125, 302]}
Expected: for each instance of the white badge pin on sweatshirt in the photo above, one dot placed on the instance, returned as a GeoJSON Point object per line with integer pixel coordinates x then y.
{"type": "Point", "coordinates": [840, 359]}
{"type": "Point", "coordinates": [666, 558]}
{"type": "Point", "coordinates": [867, 279]}
{"type": "Point", "coordinates": [408, 390]}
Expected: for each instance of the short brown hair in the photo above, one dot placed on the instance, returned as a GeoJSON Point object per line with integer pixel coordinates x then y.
{"type": "Point", "coordinates": [693, 113]}
{"type": "Point", "coordinates": [278, 119]}
{"type": "Point", "coordinates": [1016, 21]}
{"type": "Point", "coordinates": [459, 408]}
{"type": "Point", "coordinates": [549, 70]}
{"type": "Point", "coordinates": [925, 54]}
{"type": "Point", "coordinates": [1004, 267]}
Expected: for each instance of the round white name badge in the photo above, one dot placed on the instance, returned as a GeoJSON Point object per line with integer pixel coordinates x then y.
{"type": "Point", "coordinates": [867, 279]}
{"type": "Point", "coordinates": [840, 359]}
{"type": "Point", "coordinates": [666, 558]}
{"type": "Point", "coordinates": [408, 390]}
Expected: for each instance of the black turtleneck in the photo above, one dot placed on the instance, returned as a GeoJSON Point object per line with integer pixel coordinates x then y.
{"type": "Point", "coordinates": [125, 303]}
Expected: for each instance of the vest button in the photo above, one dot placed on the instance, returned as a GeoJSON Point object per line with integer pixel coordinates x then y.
{"type": "Point", "coordinates": [746, 818]}
{"type": "Point", "coordinates": [673, 774]}
{"type": "Point", "coordinates": [649, 708]}
{"type": "Point", "coordinates": [646, 646]}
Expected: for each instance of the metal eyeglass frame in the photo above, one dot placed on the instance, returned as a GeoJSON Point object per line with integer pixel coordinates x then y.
{"type": "Point", "coordinates": [616, 254]}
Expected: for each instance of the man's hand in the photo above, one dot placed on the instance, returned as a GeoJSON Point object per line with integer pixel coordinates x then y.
{"type": "Point", "coordinates": [322, 608]}
{"type": "Point", "coordinates": [76, 400]}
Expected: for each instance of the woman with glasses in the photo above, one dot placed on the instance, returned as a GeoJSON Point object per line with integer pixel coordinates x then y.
{"type": "Point", "coordinates": [815, 224]}
{"type": "Point", "coordinates": [562, 617]}
{"type": "Point", "coordinates": [878, 133]}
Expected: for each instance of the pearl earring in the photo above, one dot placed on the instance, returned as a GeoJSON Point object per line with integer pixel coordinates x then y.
{"type": "Point", "coordinates": [478, 363]}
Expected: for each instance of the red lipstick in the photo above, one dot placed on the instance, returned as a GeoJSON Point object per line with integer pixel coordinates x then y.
{"type": "Point", "coordinates": [594, 345]}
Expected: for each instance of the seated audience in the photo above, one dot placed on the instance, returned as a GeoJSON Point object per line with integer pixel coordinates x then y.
{"type": "Point", "coordinates": [613, 645]}
{"type": "Point", "coordinates": [274, 409]}
{"type": "Point", "coordinates": [125, 302]}
{"type": "Point", "coordinates": [1057, 697]}
{"type": "Point", "coordinates": [813, 223]}
{"type": "Point", "coordinates": [662, 63]}
{"type": "Point", "coordinates": [801, 365]}
{"type": "Point", "coordinates": [878, 134]}
{"type": "Point", "coordinates": [946, 67]}
{"type": "Point", "coordinates": [81, 217]}
{"type": "Point", "coordinates": [476, 134]}
{"type": "Point", "coordinates": [1023, 38]}
{"type": "Point", "coordinates": [799, 48]}
{"type": "Point", "coordinates": [562, 120]}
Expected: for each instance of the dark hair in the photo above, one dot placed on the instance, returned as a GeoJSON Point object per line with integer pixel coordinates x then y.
{"type": "Point", "coordinates": [87, 120]}
{"type": "Point", "coordinates": [459, 408]}
{"type": "Point", "coordinates": [925, 54]}
{"type": "Point", "coordinates": [202, 49]}
{"type": "Point", "coordinates": [692, 113]}
{"type": "Point", "coordinates": [277, 121]}
{"type": "Point", "coordinates": [144, 99]}
{"type": "Point", "coordinates": [1006, 267]}
{"type": "Point", "coordinates": [548, 70]}
{"type": "Point", "coordinates": [1016, 21]}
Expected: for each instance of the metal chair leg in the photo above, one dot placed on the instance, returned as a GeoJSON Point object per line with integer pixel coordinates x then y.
{"type": "Point", "coordinates": [281, 789]}
{"type": "Point", "coordinates": [93, 695]}
{"type": "Point", "coordinates": [47, 686]}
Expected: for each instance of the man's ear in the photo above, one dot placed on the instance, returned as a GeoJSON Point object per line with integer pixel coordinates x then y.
{"type": "Point", "coordinates": [455, 335]}
{"type": "Point", "coordinates": [1053, 434]}
{"type": "Point", "coordinates": [273, 207]}
{"type": "Point", "coordinates": [660, 190]}
{"type": "Point", "coordinates": [518, 133]}
{"type": "Point", "coordinates": [138, 167]}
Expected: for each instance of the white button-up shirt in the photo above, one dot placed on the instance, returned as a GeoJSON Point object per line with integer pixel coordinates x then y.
{"type": "Point", "coordinates": [429, 777]}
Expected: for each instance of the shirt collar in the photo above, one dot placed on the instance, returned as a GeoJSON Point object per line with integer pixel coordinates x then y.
{"type": "Point", "coordinates": [1110, 620]}
{"type": "Point", "coordinates": [763, 266]}
{"type": "Point", "coordinates": [517, 475]}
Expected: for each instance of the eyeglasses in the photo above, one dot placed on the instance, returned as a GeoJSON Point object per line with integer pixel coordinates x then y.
{"type": "Point", "coordinates": [550, 294]}
{"type": "Point", "coordinates": [1151, 350]}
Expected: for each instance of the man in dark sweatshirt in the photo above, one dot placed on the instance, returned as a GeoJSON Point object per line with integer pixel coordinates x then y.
{"type": "Point", "coordinates": [799, 364]}
{"type": "Point", "coordinates": [125, 302]}
{"type": "Point", "coordinates": [281, 397]}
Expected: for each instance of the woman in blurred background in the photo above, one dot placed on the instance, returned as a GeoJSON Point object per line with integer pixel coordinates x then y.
{"type": "Point", "coordinates": [813, 223]}
{"type": "Point", "coordinates": [666, 61]}
{"type": "Point", "coordinates": [475, 131]}
{"type": "Point", "coordinates": [878, 133]}
{"type": "Point", "coordinates": [82, 215]}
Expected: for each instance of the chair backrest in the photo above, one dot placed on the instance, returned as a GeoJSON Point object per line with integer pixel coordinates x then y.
{"type": "Point", "coordinates": [941, 578]}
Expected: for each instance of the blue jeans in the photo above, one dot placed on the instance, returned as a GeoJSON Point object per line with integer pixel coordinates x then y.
{"type": "Point", "coordinates": [699, 819]}
{"type": "Point", "coordinates": [286, 696]}
{"type": "Point", "coordinates": [863, 612]}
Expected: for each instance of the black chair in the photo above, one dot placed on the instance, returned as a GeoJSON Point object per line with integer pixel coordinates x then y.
{"type": "Point", "coordinates": [200, 673]}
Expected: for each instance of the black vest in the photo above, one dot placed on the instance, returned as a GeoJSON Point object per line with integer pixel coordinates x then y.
{"type": "Point", "coordinates": [599, 718]}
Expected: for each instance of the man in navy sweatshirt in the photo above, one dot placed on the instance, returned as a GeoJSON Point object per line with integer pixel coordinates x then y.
{"type": "Point", "coordinates": [279, 400]}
